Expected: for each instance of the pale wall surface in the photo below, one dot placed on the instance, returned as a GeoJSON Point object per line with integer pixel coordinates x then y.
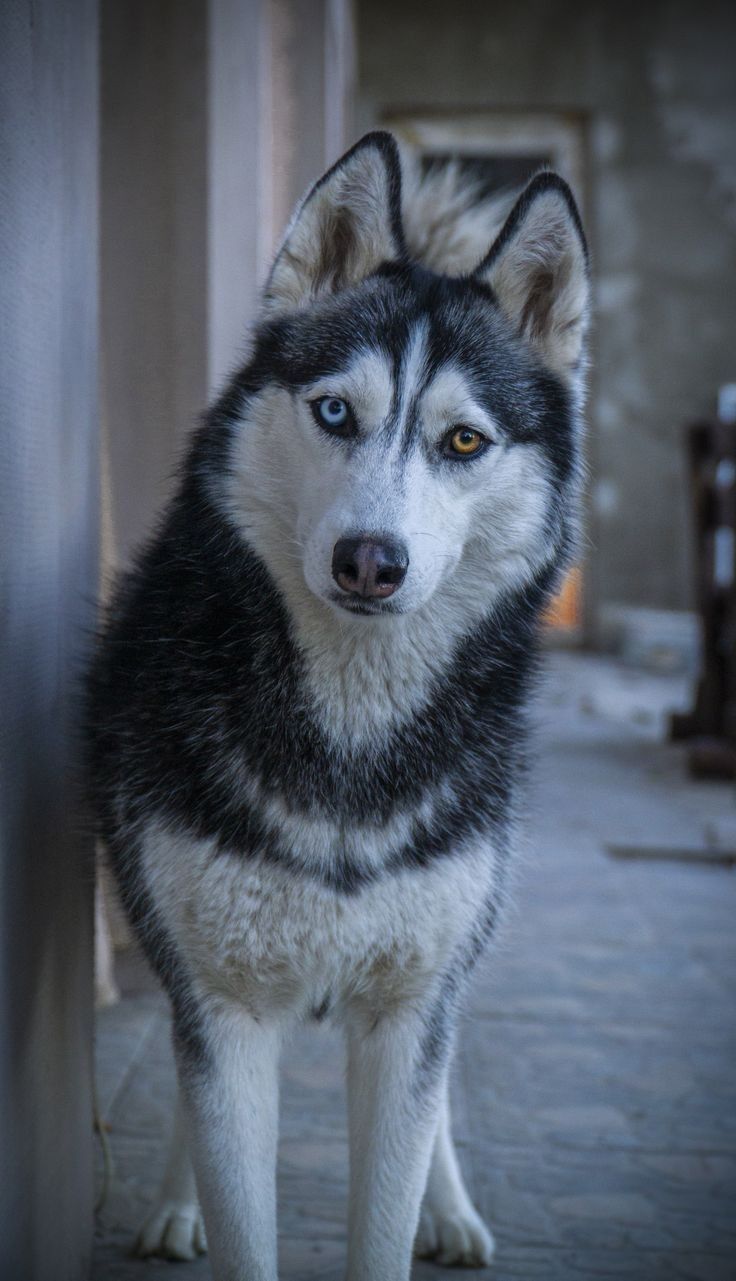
{"type": "Point", "coordinates": [153, 228]}
{"type": "Point", "coordinates": [215, 116]}
{"type": "Point", "coordinates": [656, 86]}
{"type": "Point", "coordinates": [48, 537]}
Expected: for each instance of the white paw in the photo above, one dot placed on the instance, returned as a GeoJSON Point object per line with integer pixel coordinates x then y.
{"type": "Point", "coordinates": [454, 1236]}
{"type": "Point", "coordinates": [174, 1230]}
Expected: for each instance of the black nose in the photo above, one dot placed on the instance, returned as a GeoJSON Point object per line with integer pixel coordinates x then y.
{"type": "Point", "coordinates": [369, 566]}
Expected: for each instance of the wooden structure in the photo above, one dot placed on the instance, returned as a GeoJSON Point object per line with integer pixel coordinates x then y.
{"type": "Point", "coordinates": [711, 726]}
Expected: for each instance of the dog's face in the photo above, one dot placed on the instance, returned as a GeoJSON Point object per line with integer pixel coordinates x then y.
{"type": "Point", "coordinates": [408, 435]}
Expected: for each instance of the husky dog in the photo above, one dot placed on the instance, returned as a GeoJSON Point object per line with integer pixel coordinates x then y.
{"type": "Point", "coordinates": [306, 710]}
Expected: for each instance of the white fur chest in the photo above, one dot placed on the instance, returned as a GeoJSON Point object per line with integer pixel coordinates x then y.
{"type": "Point", "coordinates": [268, 937]}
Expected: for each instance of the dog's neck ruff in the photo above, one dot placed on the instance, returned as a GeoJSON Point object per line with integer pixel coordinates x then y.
{"type": "Point", "coordinates": [365, 677]}
{"type": "Point", "coordinates": [202, 647]}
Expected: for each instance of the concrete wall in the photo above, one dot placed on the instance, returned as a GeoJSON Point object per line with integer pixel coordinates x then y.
{"type": "Point", "coordinates": [655, 84]}
{"type": "Point", "coordinates": [153, 226]}
{"type": "Point", "coordinates": [237, 240]}
{"type": "Point", "coordinates": [48, 537]}
{"type": "Point", "coordinates": [310, 83]}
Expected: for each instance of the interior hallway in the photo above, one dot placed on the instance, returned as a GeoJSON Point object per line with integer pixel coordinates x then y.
{"type": "Point", "coordinates": [595, 1097]}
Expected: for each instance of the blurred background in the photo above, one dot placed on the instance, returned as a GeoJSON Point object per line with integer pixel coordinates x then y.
{"type": "Point", "coordinates": [152, 151]}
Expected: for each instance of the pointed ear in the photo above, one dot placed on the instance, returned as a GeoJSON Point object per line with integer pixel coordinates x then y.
{"type": "Point", "coordinates": [538, 270]}
{"type": "Point", "coordinates": [347, 225]}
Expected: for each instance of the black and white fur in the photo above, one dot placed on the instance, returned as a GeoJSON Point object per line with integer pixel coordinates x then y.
{"type": "Point", "coordinates": [309, 808]}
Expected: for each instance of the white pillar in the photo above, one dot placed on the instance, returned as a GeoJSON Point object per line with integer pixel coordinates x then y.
{"type": "Point", "coordinates": [48, 536]}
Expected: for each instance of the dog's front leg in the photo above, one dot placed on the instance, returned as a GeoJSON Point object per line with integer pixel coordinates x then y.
{"type": "Point", "coordinates": [230, 1094]}
{"type": "Point", "coordinates": [396, 1074]}
{"type": "Point", "coordinates": [450, 1228]}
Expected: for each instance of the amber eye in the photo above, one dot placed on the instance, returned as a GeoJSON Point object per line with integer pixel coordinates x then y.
{"type": "Point", "coordinates": [464, 441]}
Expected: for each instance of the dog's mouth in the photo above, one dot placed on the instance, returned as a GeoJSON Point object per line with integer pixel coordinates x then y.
{"type": "Point", "coordinates": [364, 608]}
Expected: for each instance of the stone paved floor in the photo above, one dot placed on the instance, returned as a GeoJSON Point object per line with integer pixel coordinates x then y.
{"type": "Point", "coordinates": [595, 1090]}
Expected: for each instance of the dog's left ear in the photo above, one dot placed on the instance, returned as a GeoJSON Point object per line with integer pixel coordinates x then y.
{"type": "Point", "coordinates": [346, 227]}
{"type": "Point", "coordinates": [538, 270]}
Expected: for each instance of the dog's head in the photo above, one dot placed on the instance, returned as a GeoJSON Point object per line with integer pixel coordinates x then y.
{"type": "Point", "coordinates": [406, 434]}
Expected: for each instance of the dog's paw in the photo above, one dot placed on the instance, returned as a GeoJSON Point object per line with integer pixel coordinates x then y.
{"type": "Point", "coordinates": [174, 1230]}
{"type": "Point", "coordinates": [454, 1237]}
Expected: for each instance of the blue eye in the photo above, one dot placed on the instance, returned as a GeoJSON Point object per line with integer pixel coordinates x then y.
{"type": "Point", "coordinates": [333, 414]}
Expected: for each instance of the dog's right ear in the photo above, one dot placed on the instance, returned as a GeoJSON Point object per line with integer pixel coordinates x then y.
{"type": "Point", "coordinates": [346, 227]}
